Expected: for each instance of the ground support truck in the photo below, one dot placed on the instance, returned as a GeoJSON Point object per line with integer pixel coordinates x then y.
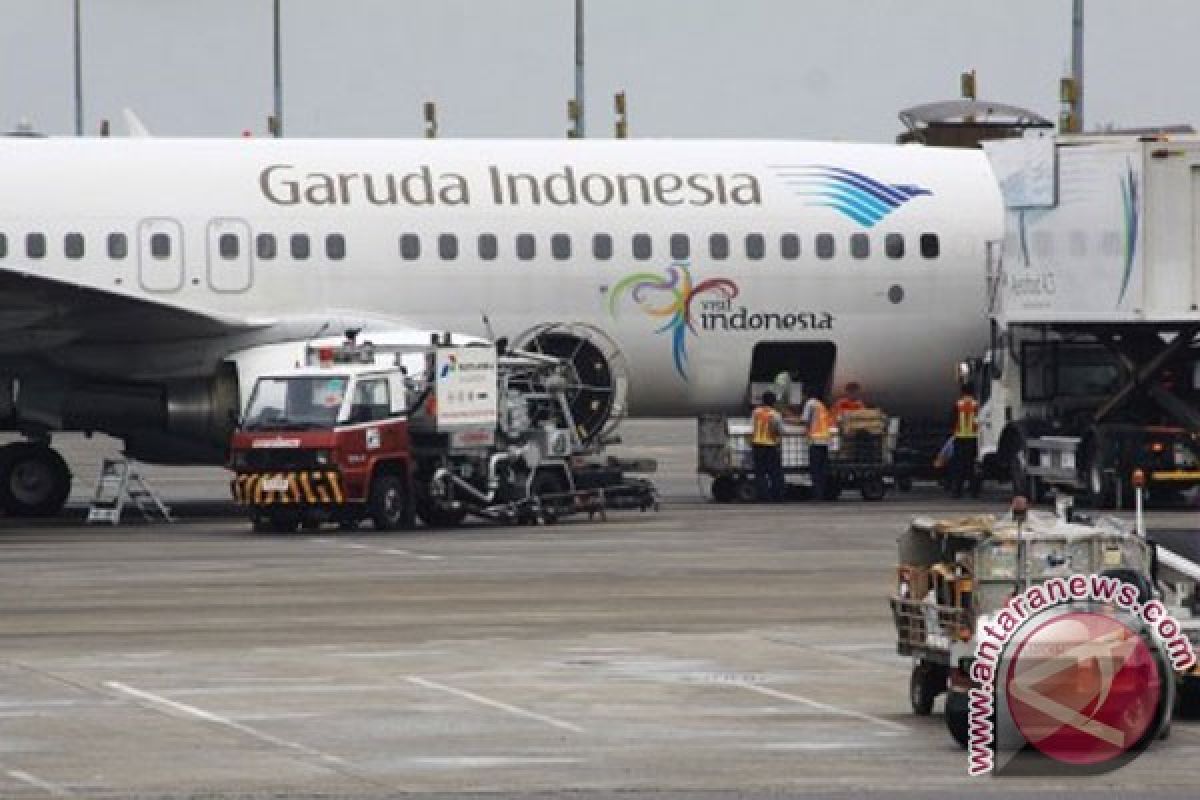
{"type": "Point", "coordinates": [1093, 369]}
{"type": "Point", "coordinates": [365, 432]}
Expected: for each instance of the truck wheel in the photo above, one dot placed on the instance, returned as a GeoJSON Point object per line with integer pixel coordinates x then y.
{"type": "Point", "coordinates": [385, 506]}
{"type": "Point", "coordinates": [872, 488]}
{"type": "Point", "coordinates": [958, 718]}
{"type": "Point", "coordinates": [724, 489]}
{"type": "Point", "coordinates": [282, 523]}
{"type": "Point", "coordinates": [548, 482]}
{"type": "Point", "coordinates": [925, 683]}
{"type": "Point", "coordinates": [438, 516]}
{"type": "Point", "coordinates": [746, 491]}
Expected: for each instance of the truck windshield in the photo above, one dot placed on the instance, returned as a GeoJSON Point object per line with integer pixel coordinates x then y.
{"type": "Point", "coordinates": [295, 403]}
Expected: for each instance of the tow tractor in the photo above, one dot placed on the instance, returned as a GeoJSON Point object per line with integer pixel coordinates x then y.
{"type": "Point", "coordinates": [394, 433]}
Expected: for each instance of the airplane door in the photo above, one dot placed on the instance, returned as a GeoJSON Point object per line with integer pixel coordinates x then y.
{"type": "Point", "coordinates": [229, 263]}
{"type": "Point", "coordinates": [160, 255]}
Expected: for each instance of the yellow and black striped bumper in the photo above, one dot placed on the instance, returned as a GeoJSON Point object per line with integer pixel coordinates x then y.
{"type": "Point", "coordinates": [288, 488]}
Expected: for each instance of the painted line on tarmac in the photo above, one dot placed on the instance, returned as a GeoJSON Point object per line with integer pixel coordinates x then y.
{"type": "Point", "coordinates": [368, 548]}
{"type": "Point", "coordinates": [38, 783]}
{"type": "Point", "coordinates": [160, 703]}
{"type": "Point", "coordinates": [892, 728]}
{"type": "Point", "coordinates": [497, 704]}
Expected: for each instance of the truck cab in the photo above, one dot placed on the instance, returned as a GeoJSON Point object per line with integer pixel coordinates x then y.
{"type": "Point", "coordinates": [326, 442]}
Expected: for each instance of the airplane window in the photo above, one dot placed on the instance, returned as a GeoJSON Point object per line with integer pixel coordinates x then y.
{"type": "Point", "coordinates": [228, 246]}
{"type": "Point", "coordinates": [264, 246]}
{"type": "Point", "coordinates": [602, 246]}
{"type": "Point", "coordinates": [488, 246]}
{"type": "Point", "coordinates": [160, 246]}
{"type": "Point", "coordinates": [35, 245]}
{"type": "Point", "coordinates": [3, 245]}
{"type": "Point", "coordinates": [335, 246]}
{"type": "Point", "coordinates": [860, 245]}
{"type": "Point", "coordinates": [300, 246]}
{"type": "Point", "coordinates": [73, 245]}
{"type": "Point", "coordinates": [789, 246]}
{"type": "Point", "coordinates": [718, 246]}
{"type": "Point", "coordinates": [643, 248]}
{"type": "Point", "coordinates": [118, 246]}
{"type": "Point", "coordinates": [560, 246]}
{"type": "Point", "coordinates": [681, 246]}
{"type": "Point", "coordinates": [825, 247]}
{"type": "Point", "coordinates": [526, 246]}
{"type": "Point", "coordinates": [893, 244]}
{"type": "Point", "coordinates": [756, 246]}
{"type": "Point", "coordinates": [410, 247]}
{"type": "Point", "coordinates": [448, 246]}
{"type": "Point", "coordinates": [930, 246]}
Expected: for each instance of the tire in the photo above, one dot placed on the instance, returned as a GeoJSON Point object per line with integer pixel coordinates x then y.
{"type": "Point", "coordinates": [438, 516]}
{"type": "Point", "coordinates": [958, 718]}
{"type": "Point", "coordinates": [872, 488]}
{"type": "Point", "coordinates": [1188, 698]}
{"type": "Point", "coordinates": [904, 483]}
{"type": "Point", "coordinates": [833, 489]}
{"type": "Point", "coordinates": [746, 492]}
{"type": "Point", "coordinates": [550, 482]}
{"type": "Point", "coordinates": [385, 506]}
{"type": "Point", "coordinates": [283, 523]}
{"type": "Point", "coordinates": [723, 489]}
{"type": "Point", "coordinates": [34, 480]}
{"type": "Point", "coordinates": [925, 683]}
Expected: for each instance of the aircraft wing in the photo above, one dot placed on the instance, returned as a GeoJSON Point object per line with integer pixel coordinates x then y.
{"type": "Point", "coordinates": [39, 313]}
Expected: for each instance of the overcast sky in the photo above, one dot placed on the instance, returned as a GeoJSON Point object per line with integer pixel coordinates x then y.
{"type": "Point", "coordinates": [830, 69]}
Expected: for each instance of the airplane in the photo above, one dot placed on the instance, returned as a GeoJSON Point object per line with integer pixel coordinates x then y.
{"type": "Point", "coordinates": [145, 282]}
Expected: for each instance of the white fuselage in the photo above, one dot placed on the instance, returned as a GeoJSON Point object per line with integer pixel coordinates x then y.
{"type": "Point", "coordinates": [899, 324]}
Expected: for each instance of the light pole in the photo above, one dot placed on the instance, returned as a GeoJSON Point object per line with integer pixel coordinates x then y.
{"type": "Point", "coordinates": [277, 117]}
{"type": "Point", "coordinates": [78, 73]}
{"type": "Point", "coordinates": [1077, 63]}
{"type": "Point", "coordinates": [580, 126]}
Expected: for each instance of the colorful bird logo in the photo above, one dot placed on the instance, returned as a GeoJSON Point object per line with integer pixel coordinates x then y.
{"type": "Point", "coordinates": [670, 297]}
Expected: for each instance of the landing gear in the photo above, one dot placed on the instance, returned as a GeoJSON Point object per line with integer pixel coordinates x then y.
{"type": "Point", "coordinates": [34, 480]}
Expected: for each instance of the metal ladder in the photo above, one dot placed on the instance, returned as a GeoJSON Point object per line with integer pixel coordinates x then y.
{"type": "Point", "coordinates": [119, 483]}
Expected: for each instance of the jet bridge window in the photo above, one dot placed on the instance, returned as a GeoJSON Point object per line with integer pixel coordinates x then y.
{"type": "Point", "coordinates": [560, 246]}
{"type": "Point", "coordinates": [681, 246]}
{"type": "Point", "coordinates": [602, 246]}
{"type": "Point", "coordinates": [489, 248]}
{"type": "Point", "coordinates": [789, 246]}
{"type": "Point", "coordinates": [825, 248]}
{"type": "Point", "coordinates": [265, 246]}
{"type": "Point", "coordinates": [643, 247]}
{"type": "Point", "coordinates": [448, 246]}
{"type": "Point", "coordinates": [228, 246]}
{"type": "Point", "coordinates": [335, 247]}
{"type": "Point", "coordinates": [860, 245]}
{"type": "Point", "coordinates": [118, 246]}
{"type": "Point", "coordinates": [410, 247]}
{"type": "Point", "coordinates": [73, 246]}
{"type": "Point", "coordinates": [35, 245]}
{"type": "Point", "coordinates": [718, 246]}
{"type": "Point", "coordinates": [893, 245]}
{"type": "Point", "coordinates": [301, 247]}
{"type": "Point", "coordinates": [931, 246]}
{"type": "Point", "coordinates": [756, 246]}
{"type": "Point", "coordinates": [526, 246]}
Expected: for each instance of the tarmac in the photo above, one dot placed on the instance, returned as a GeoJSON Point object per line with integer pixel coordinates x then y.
{"type": "Point", "coordinates": [701, 650]}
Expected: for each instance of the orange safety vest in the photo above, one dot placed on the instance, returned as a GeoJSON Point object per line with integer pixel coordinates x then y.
{"type": "Point", "coordinates": [819, 431]}
{"type": "Point", "coordinates": [764, 433]}
{"type": "Point", "coordinates": [966, 425]}
{"type": "Point", "coordinates": [845, 404]}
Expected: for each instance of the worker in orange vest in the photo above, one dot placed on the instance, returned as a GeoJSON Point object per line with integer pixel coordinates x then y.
{"type": "Point", "coordinates": [765, 442]}
{"type": "Point", "coordinates": [819, 426]}
{"type": "Point", "coordinates": [850, 401]}
{"type": "Point", "coordinates": [966, 444]}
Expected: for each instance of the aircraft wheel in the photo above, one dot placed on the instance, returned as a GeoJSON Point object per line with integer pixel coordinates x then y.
{"type": "Point", "coordinates": [34, 480]}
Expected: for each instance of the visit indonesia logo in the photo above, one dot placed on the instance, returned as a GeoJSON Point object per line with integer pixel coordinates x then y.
{"type": "Point", "coordinates": [687, 308]}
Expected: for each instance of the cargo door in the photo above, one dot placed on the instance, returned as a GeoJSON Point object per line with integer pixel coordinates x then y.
{"type": "Point", "coordinates": [808, 364]}
{"type": "Point", "coordinates": [229, 263]}
{"type": "Point", "coordinates": [160, 255]}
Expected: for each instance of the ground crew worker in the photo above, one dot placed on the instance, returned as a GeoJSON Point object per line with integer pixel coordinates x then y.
{"type": "Point", "coordinates": [818, 423]}
{"type": "Point", "coordinates": [850, 401]}
{"type": "Point", "coordinates": [765, 442]}
{"type": "Point", "coordinates": [966, 444]}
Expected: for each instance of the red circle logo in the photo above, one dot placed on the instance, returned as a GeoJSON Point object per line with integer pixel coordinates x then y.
{"type": "Point", "coordinates": [1084, 688]}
